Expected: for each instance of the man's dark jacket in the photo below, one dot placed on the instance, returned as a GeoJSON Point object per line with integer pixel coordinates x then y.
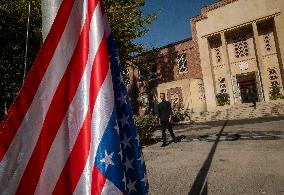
{"type": "Point", "coordinates": [164, 110]}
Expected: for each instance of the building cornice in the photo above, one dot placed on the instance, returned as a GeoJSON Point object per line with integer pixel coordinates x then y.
{"type": "Point", "coordinates": [207, 8]}
{"type": "Point", "coordinates": [244, 24]}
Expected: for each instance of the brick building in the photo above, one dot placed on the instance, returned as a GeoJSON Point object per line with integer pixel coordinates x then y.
{"type": "Point", "coordinates": [236, 45]}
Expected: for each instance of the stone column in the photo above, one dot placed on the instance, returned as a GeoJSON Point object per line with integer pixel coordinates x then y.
{"type": "Point", "coordinates": [206, 66]}
{"type": "Point", "coordinates": [49, 10]}
{"type": "Point", "coordinates": [279, 40]}
{"type": "Point", "coordinates": [227, 64]}
{"type": "Point", "coordinates": [260, 62]}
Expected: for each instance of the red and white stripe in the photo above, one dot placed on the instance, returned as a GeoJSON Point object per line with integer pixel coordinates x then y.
{"type": "Point", "coordinates": [56, 123]}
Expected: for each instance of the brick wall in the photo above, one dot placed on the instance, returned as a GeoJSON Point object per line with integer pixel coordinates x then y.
{"type": "Point", "coordinates": [166, 60]}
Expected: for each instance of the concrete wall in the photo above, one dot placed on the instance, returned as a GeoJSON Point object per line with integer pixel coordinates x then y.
{"type": "Point", "coordinates": [184, 85]}
{"type": "Point", "coordinates": [192, 93]}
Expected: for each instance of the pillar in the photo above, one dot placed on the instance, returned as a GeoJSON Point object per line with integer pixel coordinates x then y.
{"type": "Point", "coordinates": [207, 72]}
{"type": "Point", "coordinates": [260, 62]}
{"type": "Point", "coordinates": [227, 64]}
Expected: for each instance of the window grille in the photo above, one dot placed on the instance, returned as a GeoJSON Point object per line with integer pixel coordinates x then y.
{"type": "Point", "coordinates": [222, 84]}
{"type": "Point", "coordinates": [182, 63]}
{"type": "Point", "coordinates": [241, 47]}
{"type": "Point", "coordinates": [266, 39]}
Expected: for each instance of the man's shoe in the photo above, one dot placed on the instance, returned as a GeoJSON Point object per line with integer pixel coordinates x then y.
{"type": "Point", "coordinates": [175, 140]}
{"type": "Point", "coordinates": [163, 145]}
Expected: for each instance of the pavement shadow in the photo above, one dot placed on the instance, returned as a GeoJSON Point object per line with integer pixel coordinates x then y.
{"type": "Point", "coordinates": [241, 121]}
{"type": "Point", "coordinates": [180, 138]}
{"type": "Point", "coordinates": [200, 184]}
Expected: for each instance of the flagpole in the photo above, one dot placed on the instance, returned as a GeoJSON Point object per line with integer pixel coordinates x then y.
{"type": "Point", "coordinates": [27, 41]}
{"type": "Point", "coordinates": [5, 107]}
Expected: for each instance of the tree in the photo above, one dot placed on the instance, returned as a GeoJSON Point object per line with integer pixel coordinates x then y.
{"type": "Point", "coordinates": [125, 16]}
{"type": "Point", "coordinates": [13, 25]}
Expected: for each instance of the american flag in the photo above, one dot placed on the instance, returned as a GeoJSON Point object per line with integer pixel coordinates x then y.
{"type": "Point", "coordinates": [70, 130]}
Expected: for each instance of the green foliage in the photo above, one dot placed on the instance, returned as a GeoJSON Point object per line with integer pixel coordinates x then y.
{"type": "Point", "coordinates": [13, 25]}
{"type": "Point", "coordinates": [125, 17]}
{"type": "Point", "coordinates": [275, 93]}
{"type": "Point", "coordinates": [134, 94]}
{"type": "Point", "coordinates": [223, 99]}
{"type": "Point", "coordinates": [146, 126]}
{"type": "Point", "coordinates": [128, 23]}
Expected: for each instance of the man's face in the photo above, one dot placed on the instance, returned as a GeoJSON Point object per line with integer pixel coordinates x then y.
{"type": "Point", "coordinates": [162, 96]}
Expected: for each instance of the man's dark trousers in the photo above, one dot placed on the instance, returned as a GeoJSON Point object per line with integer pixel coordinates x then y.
{"type": "Point", "coordinates": [166, 124]}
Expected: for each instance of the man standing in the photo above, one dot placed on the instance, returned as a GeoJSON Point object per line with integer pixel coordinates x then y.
{"type": "Point", "coordinates": [165, 117]}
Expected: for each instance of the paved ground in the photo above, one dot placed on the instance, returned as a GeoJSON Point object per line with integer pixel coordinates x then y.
{"type": "Point", "coordinates": [204, 163]}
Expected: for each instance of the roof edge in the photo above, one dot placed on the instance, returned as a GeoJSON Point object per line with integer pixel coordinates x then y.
{"type": "Point", "coordinates": [205, 9]}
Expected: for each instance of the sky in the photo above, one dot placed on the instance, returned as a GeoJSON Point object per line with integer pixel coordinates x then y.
{"type": "Point", "coordinates": [172, 24]}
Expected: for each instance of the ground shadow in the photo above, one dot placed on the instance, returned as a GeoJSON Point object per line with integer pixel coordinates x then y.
{"type": "Point", "coordinates": [153, 141]}
{"type": "Point", "coordinates": [243, 121]}
{"type": "Point", "coordinates": [200, 184]}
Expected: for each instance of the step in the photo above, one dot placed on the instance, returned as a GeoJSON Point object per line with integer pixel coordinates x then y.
{"type": "Point", "coordinates": [242, 111]}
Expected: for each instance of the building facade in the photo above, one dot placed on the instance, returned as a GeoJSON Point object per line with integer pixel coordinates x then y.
{"type": "Point", "coordinates": [236, 46]}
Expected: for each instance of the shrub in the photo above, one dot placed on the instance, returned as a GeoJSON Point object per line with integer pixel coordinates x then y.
{"type": "Point", "coordinates": [223, 99]}
{"type": "Point", "coordinates": [146, 126]}
{"type": "Point", "coordinates": [178, 116]}
{"type": "Point", "coordinates": [275, 93]}
{"type": "Point", "coordinates": [181, 116]}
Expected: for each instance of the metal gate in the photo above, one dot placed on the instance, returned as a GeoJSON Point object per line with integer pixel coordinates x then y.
{"type": "Point", "coordinates": [259, 86]}
{"type": "Point", "coordinates": [236, 90]}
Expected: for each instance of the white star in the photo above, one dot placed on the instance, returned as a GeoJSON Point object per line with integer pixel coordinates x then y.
{"type": "Point", "coordinates": [131, 186]}
{"type": "Point", "coordinates": [126, 142]}
{"type": "Point", "coordinates": [124, 181]}
{"type": "Point", "coordinates": [141, 159]}
{"type": "Point", "coordinates": [118, 60]}
{"type": "Point", "coordinates": [111, 189]}
{"type": "Point", "coordinates": [107, 159]}
{"type": "Point", "coordinates": [128, 164]}
{"type": "Point", "coordinates": [120, 154]}
{"type": "Point", "coordinates": [116, 128]}
{"type": "Point", "coordinates": [122, 99]}
{"type": "Point", "coordinates": [145, 179]}
{"type": "Point", "coordinates": [124, 120]}
{"type": "Point", "coordinates": [138, 139]}
{"type": "Point", "coordinates": [120, 78]}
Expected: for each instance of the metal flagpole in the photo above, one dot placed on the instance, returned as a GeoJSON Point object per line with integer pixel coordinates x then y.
{"type": "Point", "coordinates": [5, 108]}
{"type": "Point", "coordinates": [27, 41]}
